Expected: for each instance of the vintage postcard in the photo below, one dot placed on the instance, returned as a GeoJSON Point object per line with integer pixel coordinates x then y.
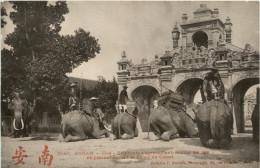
{"type": "Point", "coordinates": [130, 84]}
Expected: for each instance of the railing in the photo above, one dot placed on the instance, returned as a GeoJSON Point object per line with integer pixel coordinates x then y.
{"type": "Point", "coordinates": [253, 57]}
{"type": "Point", "coordinates": [200, 60]}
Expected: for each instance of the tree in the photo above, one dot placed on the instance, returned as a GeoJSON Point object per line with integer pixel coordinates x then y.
{"type": "Point", "coordinates": [107, 93]}
{"type": "Point", "coordinates": [41, 55]}
{"type": "Point", "coordinates": [3, 13]}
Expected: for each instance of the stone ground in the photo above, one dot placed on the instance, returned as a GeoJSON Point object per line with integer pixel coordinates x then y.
{"type": "Point", "coordinates": [138, 152]}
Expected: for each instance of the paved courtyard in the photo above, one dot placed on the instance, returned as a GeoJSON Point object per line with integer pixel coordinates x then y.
{"type": "Point", "coordinates": [138, 152]}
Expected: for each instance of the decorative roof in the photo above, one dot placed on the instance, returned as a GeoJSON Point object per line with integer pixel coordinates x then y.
{"type": "Point", "coordinates": [124, 59]}
{"type": "Point", "coordinates": [233, 47]}
{"type": "Point", "coordinates": [203, 9]}
{"type": "Point", "coordinates": [204, 14]}
{"type": "Point", "coordinates": [167, 55]}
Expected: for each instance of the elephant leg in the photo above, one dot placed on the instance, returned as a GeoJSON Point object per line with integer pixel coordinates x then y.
{"type": "Point", "coordinates": [128, 132]}
{"type": "Point", "coordinates": [75, 133]}
{"type": "Point", "coordinates": [126, 136]}
{"type": "Point", "coordinates": [190, 128]}
{"type": "Point", "coordinates": [155, 129]}
{"type": "Point", "coordinates": [136, 132]}
{"type": "Point", "coordinates": [25, 131]}
{"type": "Point", "coordinates": [114, 135]}
{"type": "Point", "coordinates": [182, 134]}
{"type": "Point", "coordinates": [166, 136]}
{"type": "Point", "coordinates": [16, 133]}
{"type": "Point", "coordinates": [98, 133]}
{"type": "Point", "coordinates": [205, 134]}
{"type": "Point", "coordinates": [71, 138]}
{"type": "Point", "coordinates": [224, 131]}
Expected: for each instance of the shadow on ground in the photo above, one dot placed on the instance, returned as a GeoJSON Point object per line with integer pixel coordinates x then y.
{"type": "Point", "coordinates": [40, 137]}
{"type": "Point", "coordinates": [242, 149]}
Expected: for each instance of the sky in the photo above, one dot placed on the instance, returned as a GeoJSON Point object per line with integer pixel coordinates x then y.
{"type": "Point", "coordinates": [143, 29]}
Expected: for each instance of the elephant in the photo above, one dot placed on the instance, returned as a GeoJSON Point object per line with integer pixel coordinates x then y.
{"type": "Point", "coordinates": [215, 124]}
{"type": "Point", "coordinates": [22, 114]}
{"type": "Point", "coordinates": [79, 125]}
{"type": "Point", "coordinates": [166, 122]}
{"type": "Point", "coordinates": [255, 120]}
{"type": "Point", "coordinates": [124, 124]}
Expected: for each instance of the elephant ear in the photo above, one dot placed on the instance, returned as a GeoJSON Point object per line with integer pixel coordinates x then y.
{"type": "Point", "coordinates": [190, 112]}
{"type": "Point", "coordinates": [88, 106]}
{"type": "Point", "coordinates": [10, 105]}
{"type": "Point", "coordinates": [131, 106]}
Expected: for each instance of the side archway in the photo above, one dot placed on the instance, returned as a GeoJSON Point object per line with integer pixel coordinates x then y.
{"type": "Point", "coordinates": [189, 88]}
{"type": "Point", "coordinates": [238, 93]}
{"type": "Point", "coordinates": [144, 97]}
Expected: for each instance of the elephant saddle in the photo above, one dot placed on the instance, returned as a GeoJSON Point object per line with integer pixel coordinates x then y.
{"type": "Point", "coordinates": [72, 117]}
{"type": "Point", "coordinates": [171, 100]}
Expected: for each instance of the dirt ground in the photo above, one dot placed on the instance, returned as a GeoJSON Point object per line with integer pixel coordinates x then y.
{"type": "Point", "coordinates": [138, 152]}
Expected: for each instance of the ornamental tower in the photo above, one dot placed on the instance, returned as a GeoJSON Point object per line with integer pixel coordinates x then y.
{"type": "Point", "coordinates": [204, 29]}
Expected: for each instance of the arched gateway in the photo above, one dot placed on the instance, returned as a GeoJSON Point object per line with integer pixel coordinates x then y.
{"type": "Point", "coordinates": [144, 96]}
{"type": "Point", "coordinates": [206, 41]}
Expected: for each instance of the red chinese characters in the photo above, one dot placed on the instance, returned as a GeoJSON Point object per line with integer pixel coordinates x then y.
{"type": "Point", "coordinates": [46, 157]}
{"type": "Point", "coordinates": [19, 156]}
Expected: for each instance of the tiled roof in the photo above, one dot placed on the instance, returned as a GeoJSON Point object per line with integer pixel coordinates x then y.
{"type": "Point", "coordinates": [87, 82]}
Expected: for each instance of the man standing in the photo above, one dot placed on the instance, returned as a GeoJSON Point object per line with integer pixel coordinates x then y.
{"type": "Point", "coordinates": [213, 87]}
{"type": "Point", "coordinates": [123, 98]}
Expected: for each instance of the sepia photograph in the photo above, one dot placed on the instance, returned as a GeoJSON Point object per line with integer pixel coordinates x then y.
{"type": "Point", "coordinates": [130, 84]}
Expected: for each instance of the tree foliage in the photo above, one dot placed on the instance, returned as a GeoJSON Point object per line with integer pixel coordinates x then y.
{"type": "Point", "coordinates": [3, 13]}
{"type": "Point", "coordinates": [39, 56]}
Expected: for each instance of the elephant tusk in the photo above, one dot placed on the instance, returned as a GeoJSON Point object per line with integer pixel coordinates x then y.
{"type": "Point", "coordinates": [22, 123]}
{"type": "Point", "coordinates": [14, 126]}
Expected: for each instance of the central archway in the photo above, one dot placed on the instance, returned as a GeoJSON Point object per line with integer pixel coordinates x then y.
{"type": "Point", "coordinates": [239, 90]}
{"type": "Point", "coordinates": [144, 97]}
{"type": "Point", "coordinates": [189, 88]}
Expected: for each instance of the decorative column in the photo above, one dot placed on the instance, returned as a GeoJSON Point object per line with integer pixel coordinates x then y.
{"type": "Point", "coordinates": [166, 71]}
{"type": "Point", "coordinates": [175, 36]}
{"type": "Point", "coordinates": [123, 71]}
{"type": "Point", "coordinates": [183, 33]}
{"type": "Point", "coordinates": [231, 102]}
{"type": "Point", "coordinates": [228, 30]}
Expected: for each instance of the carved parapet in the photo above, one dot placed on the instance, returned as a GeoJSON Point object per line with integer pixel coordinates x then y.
{"type": "Point", "coordinates": [223, 64]}
{"type": "Point", "coordinates": [199, 62]}
{"type": "Point", "coordinates": [143, 70]}
{"type": "Point", "coordinates": [250, 60]}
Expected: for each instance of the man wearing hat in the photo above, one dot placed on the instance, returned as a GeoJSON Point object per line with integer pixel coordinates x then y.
{"type": "Point", "coordinates": [123, 98]}
{"type": "Point", "coordinates": [99, 114]}
{"type": "Point", "coordinates": [73, 100]}
{"type": "Point", "coordinates": [213, 87]}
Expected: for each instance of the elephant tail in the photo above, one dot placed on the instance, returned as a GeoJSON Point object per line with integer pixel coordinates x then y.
{"type": "Point", "coordinates": [119, 124]}
{"type": "Point", "coordinates": [63, 130]}
{"type": "Point", "coordinates": [213, 121]}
